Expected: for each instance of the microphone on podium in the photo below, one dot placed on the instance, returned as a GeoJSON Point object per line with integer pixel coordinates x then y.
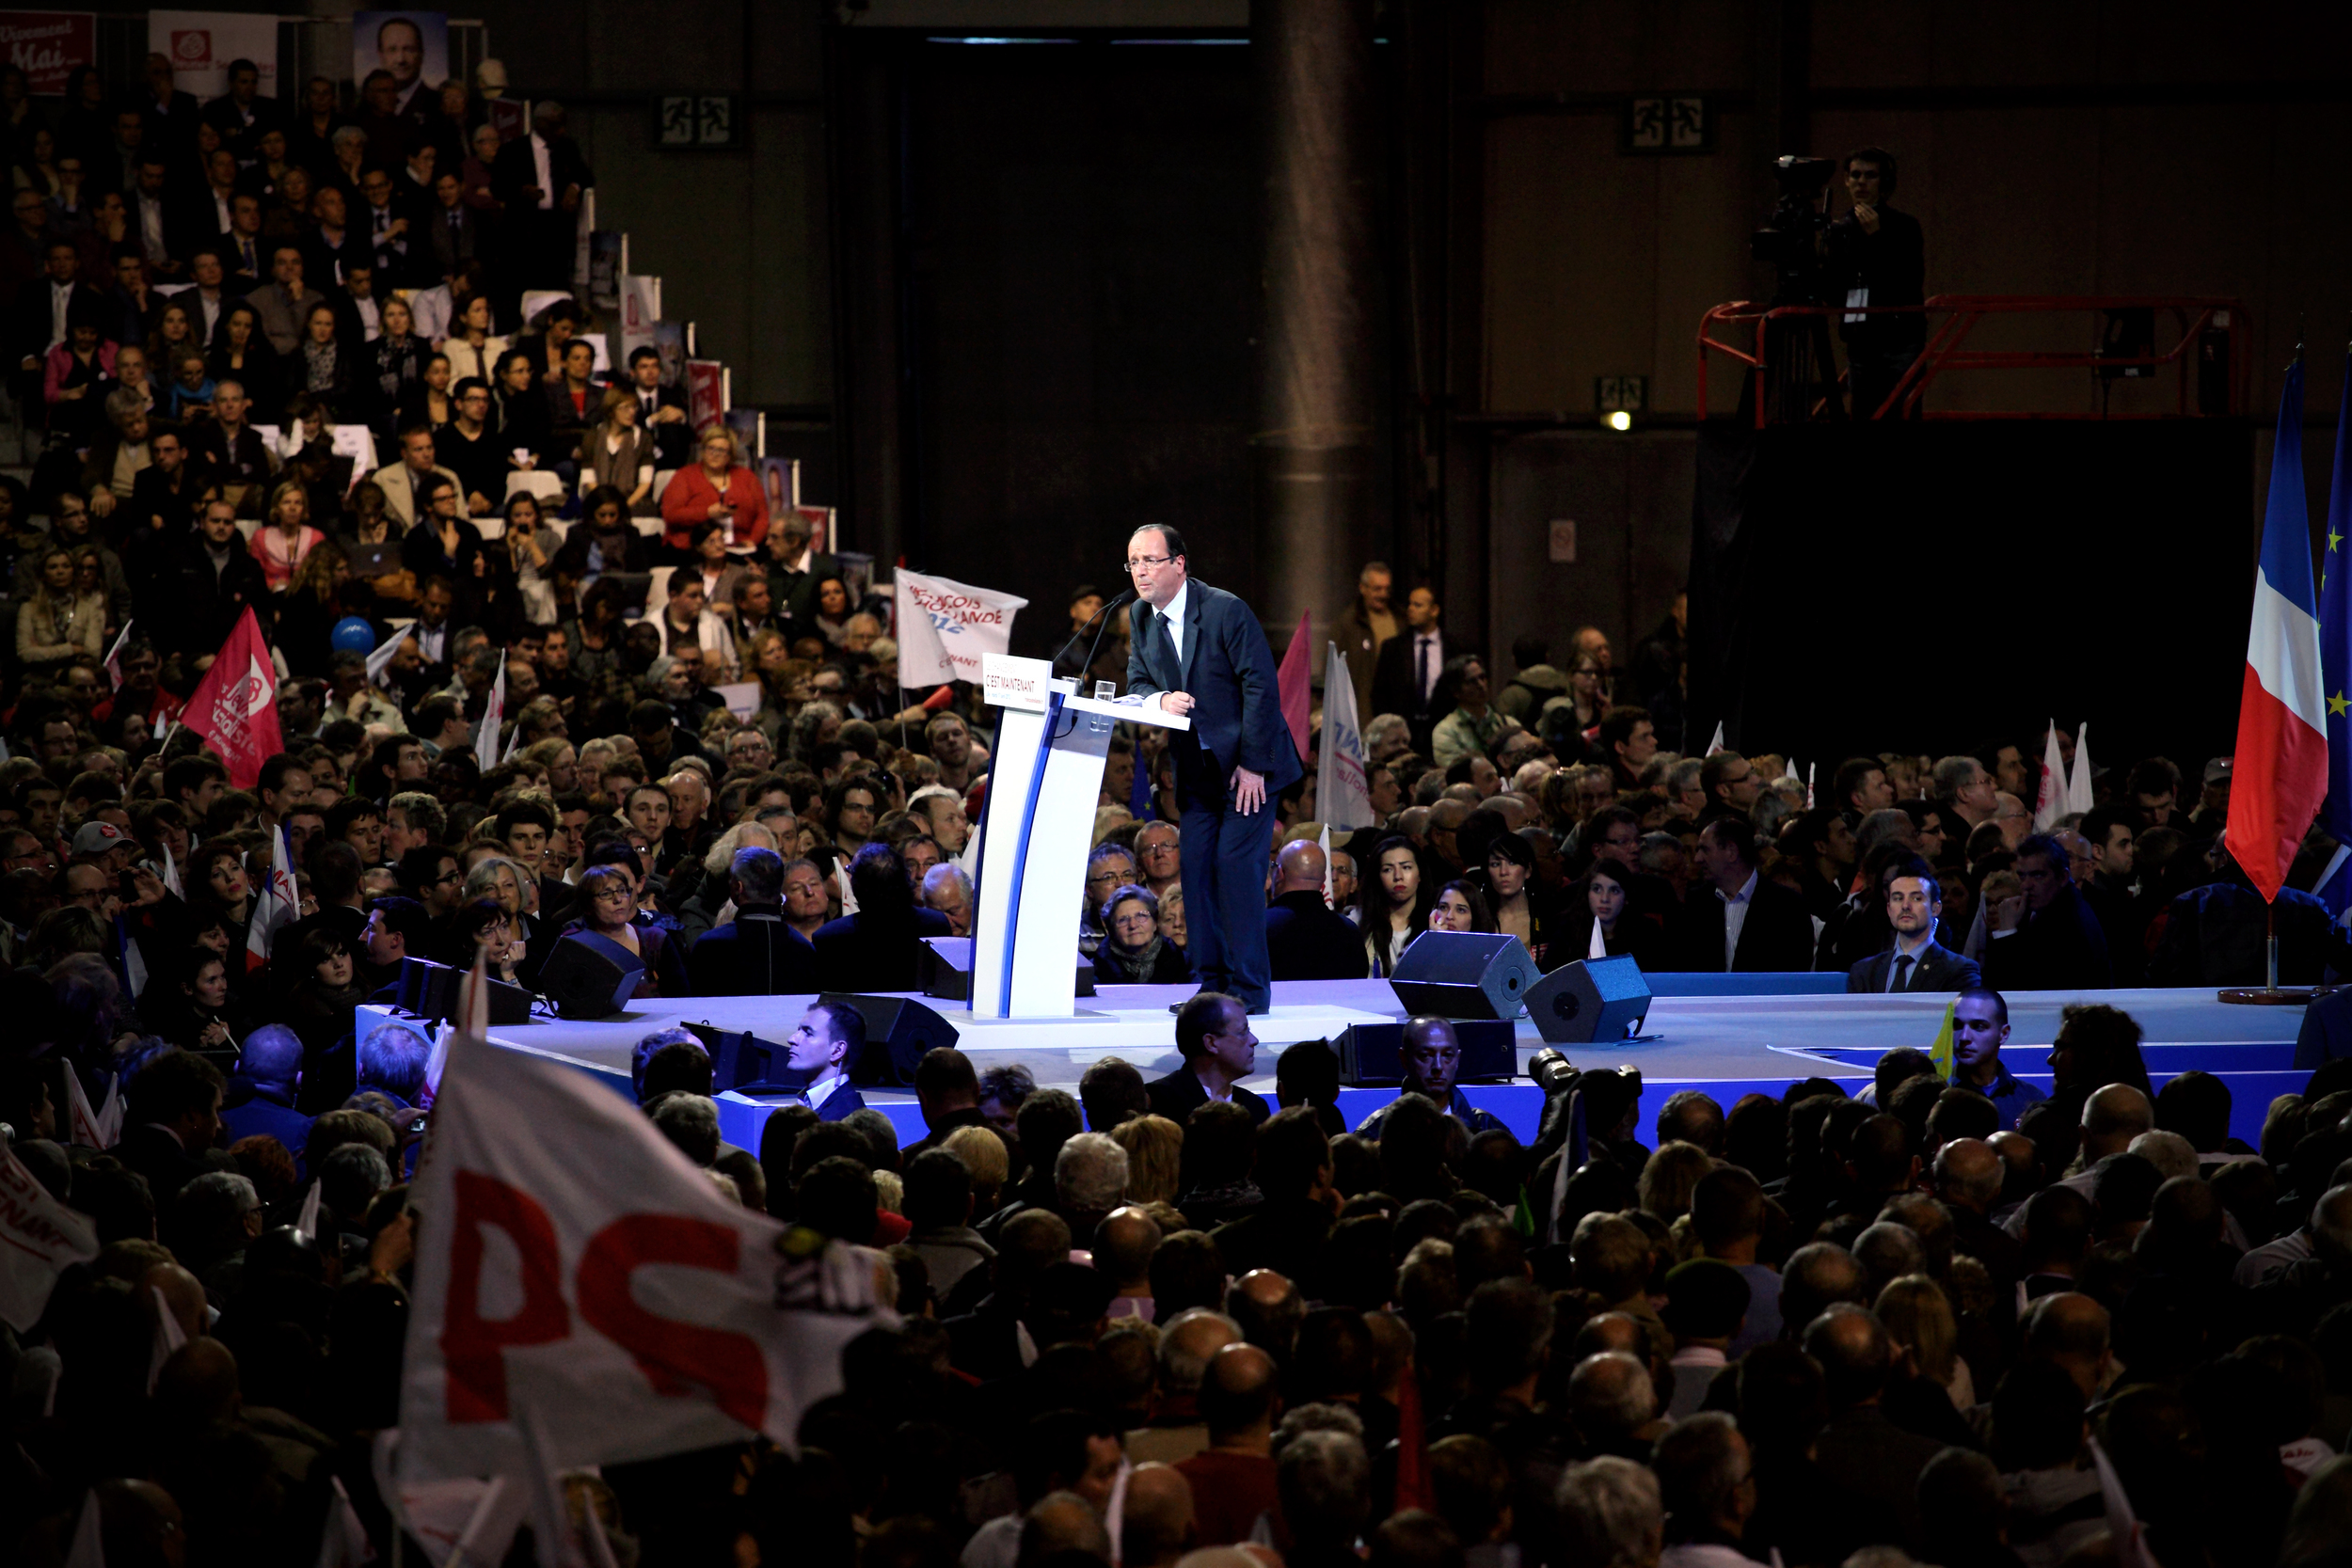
{"type": "Point", "coordinates": [1119, 599]}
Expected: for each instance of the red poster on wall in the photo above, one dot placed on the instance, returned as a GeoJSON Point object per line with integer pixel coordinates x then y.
{"type": "Point", "coordinates": [48, 46]}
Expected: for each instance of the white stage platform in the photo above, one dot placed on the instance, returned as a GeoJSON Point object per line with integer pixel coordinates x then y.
{"type": "Point", "coordinates": [1726, 1045]}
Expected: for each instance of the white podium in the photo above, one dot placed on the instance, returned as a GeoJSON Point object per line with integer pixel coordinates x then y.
{"type": "Point", "coordinates": [1043, 782]}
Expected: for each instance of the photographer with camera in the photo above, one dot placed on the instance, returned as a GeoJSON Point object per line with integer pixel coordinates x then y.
{"type": "Point", "coordinates": [1878, 257]}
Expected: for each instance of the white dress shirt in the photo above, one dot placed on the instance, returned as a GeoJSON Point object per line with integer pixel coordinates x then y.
{"type": "Point", "coordinates": [1174, 615]}
{"type": "Point", "coordinates": [1907, 973]}
{"type": "Point", "coordinates": [1429, 653]}
{"type": "Point", "coordinates": [1735, 916]}
{"type": "Point", "coordinates": [822, 1089]}
{"type": "Point", "coordinates": [151, 210]}
{"type": "Point", "coordinates": [543, 167]}
{"type": "Point", "coordinates": [59, 295]}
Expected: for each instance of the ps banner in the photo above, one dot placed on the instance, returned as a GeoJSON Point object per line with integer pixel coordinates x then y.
{"type": "Point", "coordinates": [585, 1296]}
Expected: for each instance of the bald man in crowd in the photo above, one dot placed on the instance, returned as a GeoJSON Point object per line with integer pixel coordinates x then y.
{"type": "Point", "coordinates": [1305, 938]}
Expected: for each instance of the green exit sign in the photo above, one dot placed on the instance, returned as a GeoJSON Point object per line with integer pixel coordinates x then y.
{"type": "Point", "coordinates": [697, 121]}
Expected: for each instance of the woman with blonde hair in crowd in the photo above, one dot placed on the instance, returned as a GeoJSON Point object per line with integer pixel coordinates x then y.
{"type": "Point", "coordinates": [57, 624]}
{"type": "Point", "coordinates": [718, 488]}
{"type": "Point", "coordinates": [1919, 1319]}
{"type": "Point", "coordinates": [983, 1154]}
{"type": "Point", "coordinates": [285, 538]}
{"type": "Point", "coordinates": [1156, 1147]}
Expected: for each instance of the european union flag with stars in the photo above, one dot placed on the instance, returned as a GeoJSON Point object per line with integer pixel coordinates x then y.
{"type": "Point", "coordinates": [2335, 657]}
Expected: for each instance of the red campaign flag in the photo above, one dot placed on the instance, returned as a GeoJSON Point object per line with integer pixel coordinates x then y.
{"type": "Point", "coordinates": [236, 706]}
{"type": "Point", "coordinates": [1290, 684]}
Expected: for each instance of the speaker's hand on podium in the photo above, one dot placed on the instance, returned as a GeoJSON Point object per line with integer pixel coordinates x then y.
{"type": "Point", "coordinates": [1178, 702]}
{"type": "Point", "coordinates": [1248, 791]}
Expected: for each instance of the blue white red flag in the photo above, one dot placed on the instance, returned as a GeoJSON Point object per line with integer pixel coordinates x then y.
{"type": "Point", "coordinates": [2281, 773]}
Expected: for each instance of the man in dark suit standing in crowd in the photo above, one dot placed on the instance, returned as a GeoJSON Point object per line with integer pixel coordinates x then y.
{"type": "Point", "coordinates": [1305, 939]}
{"type": "Point", "coordinates": [538, 180]}
{"type": "Point", "coordinates": [795, 567]}
{"type": "Point", "coordinates": [1201, 654]}
{"type": "Point", "coordinates": [1917, 961]}
{"type": "Point", "coordinates": [1214, 1038]}
{"type": "Point", "coordinates": [1742, 922]}
{"type": "Point", "coordinates": [662, 409]}
{"type": "Point", "coordinates": [1404, 676]}
{"type": "Point", "coordinates": [756, 954]}
{"type": "Point", "coordinates": [2046, 937]}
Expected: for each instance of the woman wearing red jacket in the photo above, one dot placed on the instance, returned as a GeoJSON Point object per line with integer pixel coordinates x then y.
{"type": "Point", "coordinates": [718, 488]}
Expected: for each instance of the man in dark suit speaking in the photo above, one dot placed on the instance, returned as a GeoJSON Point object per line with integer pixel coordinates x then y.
{"type": "Point", "coordinates": [1199, 652]}
{"type": "Point", "coordinates": [1915, 962]}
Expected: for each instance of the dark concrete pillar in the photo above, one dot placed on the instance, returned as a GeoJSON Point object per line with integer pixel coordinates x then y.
{"type": "Point", "coordinates": [1313, 447]}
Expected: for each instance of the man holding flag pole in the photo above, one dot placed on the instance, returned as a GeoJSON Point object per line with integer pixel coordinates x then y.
{"type": "Point", "coordinates": [2283, 735]}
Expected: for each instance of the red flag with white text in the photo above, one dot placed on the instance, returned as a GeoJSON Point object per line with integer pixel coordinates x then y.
{"type": "Point", "coordinates": [236, 706]}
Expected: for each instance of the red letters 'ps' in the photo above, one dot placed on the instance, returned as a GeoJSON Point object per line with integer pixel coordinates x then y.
{"type": "Point", "coordinates": [473, 1348]}
{"type": "Point", "coordinates": [676, 1357]}
{"type": "Point", "coordinates": [672, 1354]}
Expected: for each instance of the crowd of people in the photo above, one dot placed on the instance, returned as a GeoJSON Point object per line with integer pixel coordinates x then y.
{"type": "Point", "coordinates": [1570, 797]}
{"type": "Point", "coordinates": [1158, 1321]}
{"type": "Point", "coordinates": [1162, 1323]}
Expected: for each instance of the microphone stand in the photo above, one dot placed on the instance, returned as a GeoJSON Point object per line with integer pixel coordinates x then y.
{"type": "Point", "coordinates": [1122, 596]}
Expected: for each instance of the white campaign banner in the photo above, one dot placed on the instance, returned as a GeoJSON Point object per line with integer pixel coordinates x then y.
{"type": "Point", "coordinates": [585, 1295]}
{"type": "Point", "coordinates": [1342, 781]}
{"type": "Point", "coordinates": [39, 1237]}
{"type": "Point", "coordinates": [946, 627]}
{"type": "Point", "coordinates": [201, 44]}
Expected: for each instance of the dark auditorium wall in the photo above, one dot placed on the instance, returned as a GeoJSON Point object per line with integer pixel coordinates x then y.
{"type": "Point", "coordinates": [739, 239]}
{"type": "Point", "coordinates": [2155, 149]}
{"type": "Point", "coordinates": [1079, 231]}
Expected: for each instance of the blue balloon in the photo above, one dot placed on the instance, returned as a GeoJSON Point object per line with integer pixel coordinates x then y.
{"type": "Point", "coordinates": [353, 635]}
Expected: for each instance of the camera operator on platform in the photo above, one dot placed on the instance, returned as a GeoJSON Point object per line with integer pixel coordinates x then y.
{"type": "Point", "coordinates": [1880, 258]}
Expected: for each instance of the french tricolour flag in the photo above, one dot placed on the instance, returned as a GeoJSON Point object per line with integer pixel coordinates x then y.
{"type": "Point", "coordinates": [2281, 772]}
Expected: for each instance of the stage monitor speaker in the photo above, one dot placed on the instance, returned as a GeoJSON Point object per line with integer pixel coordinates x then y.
{"type": "Point", "coordinates": [899, 1031]}
{"type": "Point", "coordinates": [743, 1061]}
{"type": "Point", "coordinates": [589, 976]}
{"type": "Point", "coordinates": [425, 988]}
{"type": "Point", "coordinates": [1463, 975]}
{"type": "Point", "coordinates": [1372, 1054]}
{"type": "Point", "coordinates": [430, 991]}
{"type": "Point", "coordinates": [1591, 1000]}
{"type": "Point", "coordinates": [944, 970]}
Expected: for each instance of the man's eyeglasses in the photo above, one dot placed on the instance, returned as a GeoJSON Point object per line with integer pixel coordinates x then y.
{"type": "Point", "coordinates": [1143, 562]}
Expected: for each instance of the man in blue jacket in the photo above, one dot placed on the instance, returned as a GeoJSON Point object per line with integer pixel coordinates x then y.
{"type": "Point", "coordinates": [1199, 652]}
